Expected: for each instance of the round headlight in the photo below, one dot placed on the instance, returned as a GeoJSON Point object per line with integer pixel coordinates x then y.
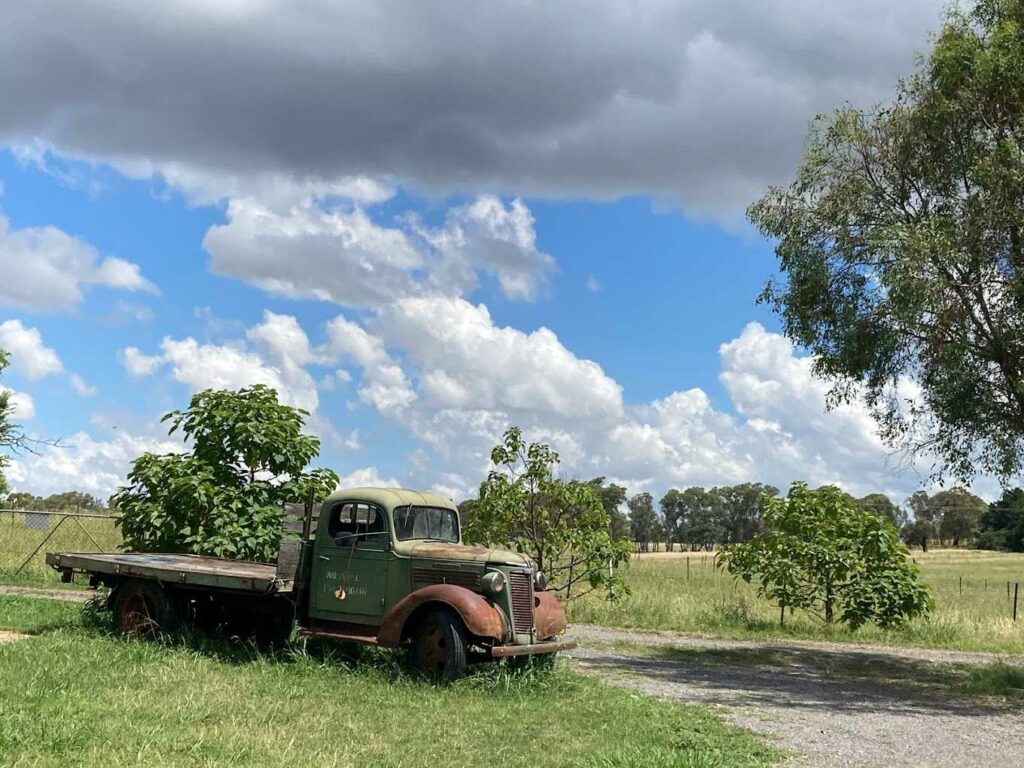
{"type": "Point", "coordinates": [540, 581]}
{"type": "Point", "coordinates": [493, 582]}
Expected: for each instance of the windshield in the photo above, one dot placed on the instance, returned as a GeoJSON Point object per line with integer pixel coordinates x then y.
{"type": "Point", "coordinates": [426, 523]}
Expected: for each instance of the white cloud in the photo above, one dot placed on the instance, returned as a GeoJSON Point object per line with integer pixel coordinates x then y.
{"type": "Point", "coordinates": [283, 339]}
{"type": "Point", "coordinates": [81, 387]}
{"type": "Point", "coordinates": [311, 251]}
{"type": "Point", "coordinates": [594, 285]}
{"type": "Point", "coordinates": [28, 355]}
{"type": "Point", "coordinates": [331, 250]}
{"type": "Point", "coordinates": [466, 362]}
{"type": "Point", "coordinates": [83, 463]}
{"type": "Point", "coordinates": [216, 366]}
{"type": "Point", "coordinates": [232, 366]}
{"type": "Point", "coordinates": [782, 431]}
{"type": "Point", "coordinates": [486, 235]}
{"type": "Point", "coordinates": [385, 385]}
{"type": "Point", "coordinates": [472, 379]}
{"type": "Point", "coordinates": [45, 268]}
{"type": "Point", "coordinates": [137, 364]}
{"type": "Point", "coordinates": [367, 477]}
{"type": "Point", "coordinates": [23, 408]}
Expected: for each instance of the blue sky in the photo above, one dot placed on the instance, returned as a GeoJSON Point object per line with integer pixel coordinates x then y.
{"type": "Point", "coordinates": [417, 259]}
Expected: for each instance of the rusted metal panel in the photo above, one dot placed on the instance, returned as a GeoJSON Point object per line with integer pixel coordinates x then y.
{"type": "Point", "coordinates": [191, 570]}
{"type": "Point", "coordinates": [342, 635]}
{"type": "Point", "coordinates": [504, 651]}
{"type": "Point", "coordinates": [482, 619]}
{"type": "Point", "coordinates": [549, 615]}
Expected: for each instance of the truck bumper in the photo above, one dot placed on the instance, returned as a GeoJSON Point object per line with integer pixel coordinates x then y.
{"type": "Point", "coordinates": [554, 646]}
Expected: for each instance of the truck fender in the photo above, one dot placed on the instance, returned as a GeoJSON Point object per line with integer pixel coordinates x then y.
{"type": "Point", "coordinates": [548, 615]}
{"type": "Point", "coordinates": [482, 618]}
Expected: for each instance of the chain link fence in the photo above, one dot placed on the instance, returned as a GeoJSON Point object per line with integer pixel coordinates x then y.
{"type": "Point", "coordinates": [26, 535]}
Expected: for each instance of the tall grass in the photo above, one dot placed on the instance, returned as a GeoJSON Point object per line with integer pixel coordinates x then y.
{"type": "Point", "coordinates": [973, 611]}
{"type": "Point", "coordinates": [18, 541]}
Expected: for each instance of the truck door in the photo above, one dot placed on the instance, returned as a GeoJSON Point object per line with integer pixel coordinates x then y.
{"type": "Point", "coordinates": [350, 565]}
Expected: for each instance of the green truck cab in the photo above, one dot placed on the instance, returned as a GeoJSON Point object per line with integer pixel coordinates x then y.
{"type": "Point", "coordinates": [381, 566]}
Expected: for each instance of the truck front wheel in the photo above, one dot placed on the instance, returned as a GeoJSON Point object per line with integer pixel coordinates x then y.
{"type": "Point", "coordinates": [144, 609]}
{"type": "Point", "coordinates": [439, 648]}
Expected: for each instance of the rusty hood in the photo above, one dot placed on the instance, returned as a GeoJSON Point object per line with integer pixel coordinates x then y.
{"type": "Point", "coordinates": [438, 550]}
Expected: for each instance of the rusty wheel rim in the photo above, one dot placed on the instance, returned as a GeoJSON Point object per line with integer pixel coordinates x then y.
{"type": "Point", "coordinates": [433, 654]}
{"type": "Point", "coordinates": [137, 615]}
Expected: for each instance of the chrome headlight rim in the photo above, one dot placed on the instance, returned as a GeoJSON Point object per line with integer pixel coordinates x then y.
{"type": "Point", "coordinates": [493, 582]}
{"type": "Point", "coordinates": [540, 581]}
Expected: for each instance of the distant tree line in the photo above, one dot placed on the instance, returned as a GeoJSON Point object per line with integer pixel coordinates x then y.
{"type": "Point", "coordinates": [66, 501]}
{"type": "Point", "coordinates": [704, 518]}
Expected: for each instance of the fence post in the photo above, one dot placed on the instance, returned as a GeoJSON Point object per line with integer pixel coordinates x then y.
{"type": "Point", "coordinates": [1016, 589]}
{"type": "Point", "coordinates": [687, 568]}
{"type": "Point", "coordinates": [961, 584]}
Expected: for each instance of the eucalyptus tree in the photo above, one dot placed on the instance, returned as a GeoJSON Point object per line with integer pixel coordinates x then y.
{"type": "Point", "coordinates": [901, 248]}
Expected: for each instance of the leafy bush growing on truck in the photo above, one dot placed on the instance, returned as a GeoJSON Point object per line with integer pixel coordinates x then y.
{"type": "Point", "coordinates": [226, 497]}
{"type": "Point", "coordinates": [561, 525]}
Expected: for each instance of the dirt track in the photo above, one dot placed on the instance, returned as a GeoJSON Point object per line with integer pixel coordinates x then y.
{"type": "Point", "coordinates": [828, 704]}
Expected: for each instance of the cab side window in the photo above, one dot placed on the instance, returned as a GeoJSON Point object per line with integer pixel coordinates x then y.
{"type": "Point", "coordinates": [363, 521]}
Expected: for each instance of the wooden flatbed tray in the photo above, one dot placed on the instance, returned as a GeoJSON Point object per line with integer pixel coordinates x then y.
{"type": "Point", "coordinates": [193, 570]}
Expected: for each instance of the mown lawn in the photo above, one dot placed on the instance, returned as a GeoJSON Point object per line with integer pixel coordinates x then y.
{"type": "Point", "coordinates": [73, 694]}
{"type": "Point", "coordinates": [973, 610]}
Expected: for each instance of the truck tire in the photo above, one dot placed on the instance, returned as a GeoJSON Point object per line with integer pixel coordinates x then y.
{"type": "Point", "coordinates": [145, 609]}
{"type": "Point", "coordinates": [439, 649]}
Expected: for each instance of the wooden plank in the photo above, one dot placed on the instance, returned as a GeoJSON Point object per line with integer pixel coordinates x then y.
{"type": "Point", "coordinates": [191, 570]}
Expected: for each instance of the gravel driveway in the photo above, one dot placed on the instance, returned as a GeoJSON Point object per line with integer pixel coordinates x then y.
{"type": "Point", "coordinates": [827, 704]}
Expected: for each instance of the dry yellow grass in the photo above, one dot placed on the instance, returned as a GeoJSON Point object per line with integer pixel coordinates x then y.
{"type": "Point", "coordinates": [973, 609]}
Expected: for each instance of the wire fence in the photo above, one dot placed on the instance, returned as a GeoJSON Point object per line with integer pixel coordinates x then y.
{"type": "Point", "coordinates": [26, 535]}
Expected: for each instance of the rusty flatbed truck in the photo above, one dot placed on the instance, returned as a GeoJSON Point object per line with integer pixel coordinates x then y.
{"type": "Point", "coordinates": [381, 566]}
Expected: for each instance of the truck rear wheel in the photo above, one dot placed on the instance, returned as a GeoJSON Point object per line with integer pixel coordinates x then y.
{"type": "Point", "coordinates": [144, 609]}
{"type": "Point", "coordinates": [439, 648]}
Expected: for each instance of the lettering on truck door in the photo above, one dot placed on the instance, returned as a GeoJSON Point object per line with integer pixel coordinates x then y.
{"type": "Point", "coordinates": [351, 564]}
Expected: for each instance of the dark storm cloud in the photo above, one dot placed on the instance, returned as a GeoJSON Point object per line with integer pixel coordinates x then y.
{"type": "Point", "coordinates": [700, 101]}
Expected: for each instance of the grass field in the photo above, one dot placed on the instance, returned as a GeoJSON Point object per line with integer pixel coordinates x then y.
{"type": "Point", "coordinates": [18, 541]}
{"type": "Point", "coordinates": [973, 611]}
{"type": "Point", "coordinates": [74, 695]}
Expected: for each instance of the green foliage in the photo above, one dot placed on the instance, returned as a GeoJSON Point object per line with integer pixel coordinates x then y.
{"type": "Point", "coordinates": [1002, 523]}
{"type": "Point", "coordinates": [821, 553]}
{"type": "Point", "coordinates": [901, 248]}
{"type": "Point", "coordinates": [918, 533]}
{"type": "Point", "coordinates": [952, 515]}
{"type": "Point", "coordinates": [612, 498]}
{"type": "Point", "coordinates": [225, 497]}
{"type": "Point", "coordinates": [960, 514]}
{"type": "Point", "coordinates": [702, 518]}
{"type": "Point", "coordinates": [644, 524]}
{"type": "Point", "coordinates": [882, 505]}
{"type": "Point", "coordinates": [561, 525]}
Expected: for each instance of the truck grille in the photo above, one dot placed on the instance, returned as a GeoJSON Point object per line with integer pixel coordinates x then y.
{"type": "Point", "coordinates": [422, 577]}
{"type": "Point", "coordinates": [521, 591]}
